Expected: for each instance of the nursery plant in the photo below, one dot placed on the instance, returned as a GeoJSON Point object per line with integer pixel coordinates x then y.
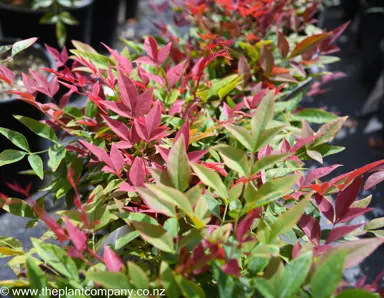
{"type": "Point", "coordinates": [176, 179]}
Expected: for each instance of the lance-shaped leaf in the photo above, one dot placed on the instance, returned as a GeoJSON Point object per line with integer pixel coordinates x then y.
{"type": "Point", "coordinates": [112, 260]}
{"type": "Point", "coordinates": [155, 203]}
{"type": "Point", "coordinates": [374, 179]}
{"type": "Point", "coordinates": [375, 224]}
{"type": "Point", "coordinates": [78, 237]}
{"type": "Point", "coordinates": [311, 228]}
{"type": "Point", "coordinates": [325, 207]}
{"type": "Point", "coordinates": [21, 45]}
{"type": "Point", "coordinates": [328, 275]}
{"type": "Point", "coordinates": [282, 44]}
{"type": "Point", "coordinates": [155, 235]}
{"type": "Point", "coordinates": [308, 44]}
{"type": "Point", "coordinates": [99, 153]}
{"type": "Point", "coordinates": [357, 251]}
{"type": "Point", "coordinates": [245, 224]}
{"type": "Point", "coordinates": [174, 74]}
{"type": "Point", "coordinates": [211, 179]}
{"type": "Point", "coordinates": [345, 199]}
{"type": "Point", "coordinates": [271, 191]}
{"type": "Point", "coordinates": [267, 162]}
{"type": "Point", "coordinates": [294, 275]}
{"type": "Point", "coordinates": [240, 134]}
{"type": "Point", "coordinates": [319, 173]}
{"type": "Point", "coordinates": [287, 220]}
{"type": "Point", "coordinates": [234, 159]}
{"type": "Point", "coordinates": [263, 115]}
{"type": "Point", "coordinates": [339, 232]}
{"type": "Point", "coordinates": [16, 138]}
{"type": "Point", "coordinates": [178, 166]}
{"type": "Point", "coordinates": [137, 173]}
{"type": "Point", "coordinates": [10, 156]}
{"type": "Point", "coordinates": [38, 128]}
{"type": "Point", "coordinates": [37, 165]}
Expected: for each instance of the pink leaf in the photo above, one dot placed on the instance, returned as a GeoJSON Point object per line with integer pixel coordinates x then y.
{"type": "Point", "coordinates": [302, 142]}
{"type": "Point", "coordinates": [99, 153]}
{"type": "Point", "coordinates": [128, 90]}
{"type": "Point", "coordinates": [311, 228]}
{"type": "Point", "coordinates": [231, 267]}
{"type": "Point", "coordinates": [339, 232]}
{"type": "Point", "coordinates": [144, 103]}
{"type": "Point", "coordinates": [358, 250]}
{"type": "Point", "coordinates": [325, 207]}
{"type": "Point", "coordinates": [245, 224]}
{"type": "Point", "coordinates": [174, 74]}
{"type": "Point", "coordinates": [184, 130]}
{"type": "Point", "coordinates": [319, 172]}
{"type": "Point", "coordinates": [285, 146]}
{"type": "Point", "coordinates": [137, 173]}
{"type": "Point", "coordinates": [118, 107]}
{"type": "Point", "coordinates": [373, 180]}
{"type": "Point", "coordinates": [345, 198]}
{"type": "Point", "coordinates": [124, 63]}
{"type": "Point", "coordinates": [29, 84]}
{"type": "Point", "coordinates": [151, 48]}
{"type": "Point", "coordinates": [282, 44]}
{"type": "Point", "coordinates": [112, 260]}
{"type": "Point", "coordinates": [353, 213]}
{"type": "Point", "coordinates": [195, 156]}
{"type": "Point", "coordinates": [164, 53]}
{"type": "Point", "coordinates": [153, 119]}
{"type": "Point", "coordinates": [117, 158]}
{"type": "Point", "coordinates": [78, 237]}
{"type": "Point", "coordinates": [117, 127]}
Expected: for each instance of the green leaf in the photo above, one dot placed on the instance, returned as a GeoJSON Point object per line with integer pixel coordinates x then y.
{"type": "Point", "coordinates": [263, 115]}
{"type": "Point", "coordinates": [288, 220]}
{"type": "Point", "coordinates": [110, 280]}
{"type": "Point", "coordinates": [38, 128]}
{"type": "Point", "coordinates": [36, 276]}
{"type": "Point", "coordinates": [328, 275]}
{"type": "Point", "coordinates": [211, 179]}
{"type": "Point", "coordinates": [155, 235]}
{"type": "Point", "coordinates": [240, 134]}
{"type": "Point", "coordinates": [16, 138]}
{"type": "Point", "coordinates": [155, 203]}
{"type": "Point", "coordinates": [57, 258]}
{"type": "Point", "coordinates": [271, 191]}
{"type": "Point", "coordinates": [61, 33]}
{"type": "Point", "coordinates": [37, 165]}
{"type": "Point", "coordinates": [67, 18]}
{"type": "Point", "coordinates": [100, 61]}
{"type": "Point", "coordinates": [267, 136]}
{"type": "Point", "coordinates": [356, 293]}
{"type": "Point", "coordinates": [188, 288]}
{"type": "Point", "coordinates": [229, 87]}
{"type": "Point", "coordinates": [172, 196]}
{"type": "Point", "coordinates": [326, 150]}
{"type": "Point", "coordinates": [124, 240]}
{"type": "Point", "coordinates": [10, 156]}
{"type": "Point", "coordinates": [294, 275]}
{"type": "Point", "coordinates": [267, 162]}
{"type": "Point", "coordinates": [178, 166]}
{"type": "Point", "coordinates": [375, 224]}
{"type": "Point", "coordinates": [83, 47]}
{"type": "Point", "coordinates": [171, 225]}
{"type": "Point", "coordinates": [250, 51]}
{"type": "Point", "coordinates": [21, 45]}
{"type": "Point", "coordinates": [329, 131]}
{"type": "Point", "coordinates": [265, 288]}
{"type": "Point", "coordinates": [138, 276]}
{"type": "Point", "coordinates": [315, 115]}
{"type": "Point", "coordinates": [225, 283]}
{"type": "Point", "coordinates": [18, 207]}
{"type": "Point", "coordinates": [56, 154]}
{"type": "Point", "coordinates": [234, 159]}
{"type": "Point", "coordinates": [168, 281]}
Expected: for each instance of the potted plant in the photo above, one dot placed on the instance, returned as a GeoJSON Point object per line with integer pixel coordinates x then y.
{"type": "Point", "coordinates": [34, 57]}
{"type": "Point", "coordinates": [54, 20]}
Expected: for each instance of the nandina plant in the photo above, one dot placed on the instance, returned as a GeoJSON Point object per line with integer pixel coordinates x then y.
{"type": "Point", "coordinates": [174, 181]}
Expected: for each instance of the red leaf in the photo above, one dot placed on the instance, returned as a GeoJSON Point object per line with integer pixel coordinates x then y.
{"type": "Point", "coordinates": [283, 44]}
{"type": "Point", "coordinates": [174, 74]}
{"type": "Point", "coordinates": [144, 103]}
{"type": "Point", "coordinates": [99, 153]}
{"type": "Point", "coordinates": [112, 260]}
{"type": "Point", "coordinates": [117, 127]}
{"type": "Point", "coordinates": [266, 59]}
{"type": "Point", "coordinates": [319, 173]}
{"type": "Point", "coordinates": [373, 180]}
{"type": "Point", "coordinates": [124, 63]}
{"type": "Point", "coordinates": [151, 48]}
{"type": "Point", "coordinates": [311, 228]}
{"type": "Point", "coordinates": [164, 53]}
{"type": "Point", "coordinates": [325, 207]}
{"type": "Point", "coordinates": [128, 90]}
{"type": "Point", "coordinates": [308, 44]}
{"type": "Point", "coordinates": [78, 237]}
{"type": "Point", "coordinates": [245, 224]}
{"type": "Point", "coordinates": [339, 232]}
{"type": "Point", "coordinates": [117, 158]}
{"type": "Point", "coordinates": [353, 213]}
{"type": "Point", "coordinates": [231, 267]}
{"type": "Point", "coordinates": [137, 173]}
{"type": "Point", "coordinates": [345, 198]}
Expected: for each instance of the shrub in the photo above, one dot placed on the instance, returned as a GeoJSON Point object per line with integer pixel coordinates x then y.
{"type": "Point", "coordinates": [176, 179]}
